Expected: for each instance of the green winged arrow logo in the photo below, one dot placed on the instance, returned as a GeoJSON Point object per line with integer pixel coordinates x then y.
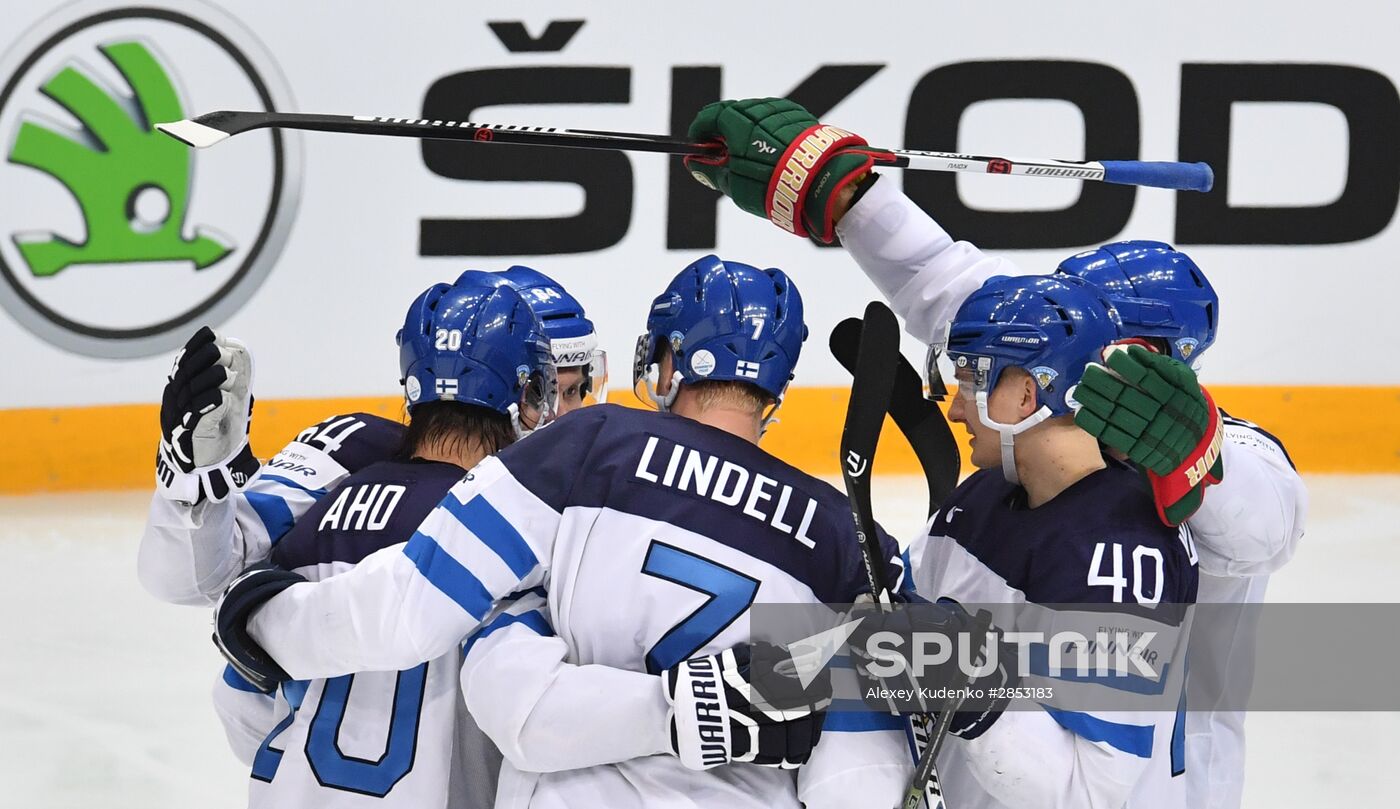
{"type": "Point", "coordinates": [114, 176]}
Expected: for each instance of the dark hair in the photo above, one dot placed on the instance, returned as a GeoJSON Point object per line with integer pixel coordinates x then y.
{"type": "Point", "coordinates": [455, 426]}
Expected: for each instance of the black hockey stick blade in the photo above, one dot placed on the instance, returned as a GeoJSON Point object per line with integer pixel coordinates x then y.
{"type": "Point", "coordinates": [921, 421]}
{"type": "Point", "coordinates": [876, 359]}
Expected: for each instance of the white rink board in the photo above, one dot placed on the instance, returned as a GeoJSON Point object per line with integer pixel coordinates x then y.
{"type": "Point", "coordinates": [327, 312]}
{"type": "Point", "coordinates": [106, 697]}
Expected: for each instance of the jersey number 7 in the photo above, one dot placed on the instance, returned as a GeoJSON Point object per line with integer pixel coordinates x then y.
{"type": "Point", "coordinates": [730, 593]}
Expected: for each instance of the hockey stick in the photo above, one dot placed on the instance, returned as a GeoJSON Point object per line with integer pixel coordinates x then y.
{"type": "Point", "coordinates": [207, 130]}
{"type": "Point", "coordinates": [872, 384]}
{"type": "Point", "coordinates": [874, 380]}
{"type": "Point", "coordinates": [923, 785]}
{"type": "Point", "coordinates": [919, 419]}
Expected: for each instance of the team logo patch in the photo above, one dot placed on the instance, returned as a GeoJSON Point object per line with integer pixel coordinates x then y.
{"type": "Point", "coordinates": [676, 339]}
{"type": "Point", "coordinates": [703, 363]}
{"type": "Point", "coordinates": [1044, 375]}
{"type": "Point", "coordinates": [522, 375]}
{"type": "Point", "coordinates": [1187, 346]}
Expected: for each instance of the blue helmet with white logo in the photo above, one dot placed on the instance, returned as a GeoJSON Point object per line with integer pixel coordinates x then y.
{"type": "Point", "coordinates": [724, 320]}
{"type": "Point", "coordinates": [572, 339]}
{"type": "Point", "coordinates": [1158, 291]}
{"type": "Point", "coordinates": [477, 343]}
{"type": "Point", "coordinates": [1050, 326]}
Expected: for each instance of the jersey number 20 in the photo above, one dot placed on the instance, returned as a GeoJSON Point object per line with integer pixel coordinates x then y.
{"type": "Point", "coordinates": [333, 768]}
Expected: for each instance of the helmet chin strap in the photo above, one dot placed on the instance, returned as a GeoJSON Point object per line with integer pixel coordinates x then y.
{"type": "Point", "coordinates": [520, 430]}
{"type": "Point", "coordinates": [652, 380]}
{"type": "Point", "coordinates": [771, 417]}
{"type": "Point", "coordinates": [1008, 433]}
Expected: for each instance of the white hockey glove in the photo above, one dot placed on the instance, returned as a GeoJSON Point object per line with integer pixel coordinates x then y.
{"type": "Point", "coordinates": [736, 707]}
{"type": "Point", "coordinates": [205, 412]}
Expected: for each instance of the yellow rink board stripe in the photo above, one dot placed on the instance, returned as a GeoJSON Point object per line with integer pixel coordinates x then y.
{"type": "Point", "coordinates": [1326, 429]}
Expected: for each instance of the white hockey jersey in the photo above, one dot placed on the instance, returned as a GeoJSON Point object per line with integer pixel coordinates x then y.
{"type": "Point", "coordinates": [190, 554]}
{"type": "Point", "coordinates": [1094, 556]}
{"type": "Point", "coordinates": [652, 556]}
{"type": "Point", "coordinates": [1248, 525]}
{"type": "Point", "coordinates": [381, 738]}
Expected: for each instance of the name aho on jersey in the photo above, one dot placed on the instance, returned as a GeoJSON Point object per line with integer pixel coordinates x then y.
{"type": "Point", "coordinates": [730, 484]}
{"type": "Point", "coordinates": [366, 507]}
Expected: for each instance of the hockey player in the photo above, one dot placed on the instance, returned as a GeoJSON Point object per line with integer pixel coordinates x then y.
{"type": "Point", "coordinates": [1254, 515]}
{"type": "Point", "coordinates": [259, 726]}
{"type": "Point", "coordinates": [217, 512]}
{"type": "Point", "coordinates": [649, 560]}
{"type": "Point", "coordinates": [478, 373]}
{"type": "Point", "coordinates": [1167, 301]}
{"type": "Point", "coordinates": [1054, 532]}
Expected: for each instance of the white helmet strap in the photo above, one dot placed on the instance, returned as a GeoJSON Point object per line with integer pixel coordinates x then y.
{"type": "Point", "coordinates": [652, 380]}
{"type": "Point", "coordinates": [1008, 433]}
{"type": "Point", "coordinates": [771, 417]}
{"type": "Point", "coordinates": [520, 429]}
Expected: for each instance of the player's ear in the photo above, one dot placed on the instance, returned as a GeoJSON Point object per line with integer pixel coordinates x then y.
{"type": "Point", "coordinates": [666, 367]}
{"type": "Point", "coordinates": [1025, 391]}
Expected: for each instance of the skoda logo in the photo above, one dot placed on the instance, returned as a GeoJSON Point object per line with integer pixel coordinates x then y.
{"type": "Point", "coordinates": [115, 239]}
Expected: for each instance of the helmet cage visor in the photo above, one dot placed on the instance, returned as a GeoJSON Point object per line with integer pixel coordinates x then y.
{"type": "Point", "coordinates": [539, 396]}
{"type": "Point", "coordinates": [935, 387]}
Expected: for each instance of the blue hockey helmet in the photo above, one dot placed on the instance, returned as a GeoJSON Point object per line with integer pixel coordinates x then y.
{"type": "Point", "coordinates": [1052, 326]}
{"type": "Point", "coordinates": [723, 320]}
{"type": "Point", "coordinates": [1158, 291]}
{"type": "Point", "coordinates": [479, 344]}
{"type": "Point", "coordinates": [572, 339]}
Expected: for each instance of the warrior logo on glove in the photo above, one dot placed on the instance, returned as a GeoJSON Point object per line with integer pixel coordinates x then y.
{"type": "Point", "coordinates": [795, 188]}
{"type": "Point", "coordinates": [205, 412]}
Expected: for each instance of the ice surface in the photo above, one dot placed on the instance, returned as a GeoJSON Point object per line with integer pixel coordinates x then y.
{"type": "Point", "coordinates": [104, 691]}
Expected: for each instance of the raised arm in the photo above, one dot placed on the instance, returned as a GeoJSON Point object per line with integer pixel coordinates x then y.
{"type": "Point", "coordinates": [1252, 520]}
{"type": "Point", "coordinates": [814, 179]}
{"type": "Point", "coordinates": [923, 273]}
{"type": "Point", "coordinates": [191, 552]}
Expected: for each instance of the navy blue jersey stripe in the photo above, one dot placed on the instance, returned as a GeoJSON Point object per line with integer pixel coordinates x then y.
{"type": "Point", "coordinates": [534, 619]}
{"type": "Point", "coordinates": [1118, 680]}
{"type": "Point", "coordinates": [843, 720]}
{"type": "Point", "coordinates": [234, 680]}
{"type": "Point", "coordinates": [1132, 739]}
{"type": "Point", "coordinates": [315, 493]}
{"type": "Point", "coordinates": [274, 512]}
{"type": "Point", "coordinates": [486, 523]}
{"type": "Point", "coordinates": [448, 575]}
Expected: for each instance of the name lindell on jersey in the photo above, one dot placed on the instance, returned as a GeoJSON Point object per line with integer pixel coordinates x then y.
{"type": "Point", "coordinates": [727, 483]}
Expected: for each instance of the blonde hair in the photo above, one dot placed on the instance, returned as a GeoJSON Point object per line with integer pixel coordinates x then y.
{"type": "Point", "coordinates": [732, 395]}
